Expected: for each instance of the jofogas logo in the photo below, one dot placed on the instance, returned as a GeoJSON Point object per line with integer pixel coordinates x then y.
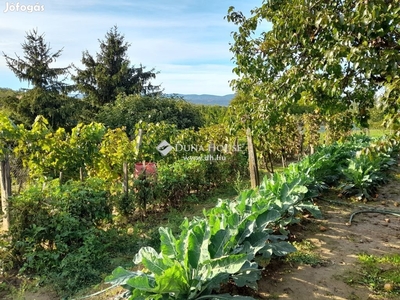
{"type": "Point", "coordinates": [164, 148]}
{"type": "Point", "coordinates": [18, 7]}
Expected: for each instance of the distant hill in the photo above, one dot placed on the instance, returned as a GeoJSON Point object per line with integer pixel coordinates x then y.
{"type": "Point", "coordinates": [208, 99]}
{"type": "Point", "coordinates": [194, 98]}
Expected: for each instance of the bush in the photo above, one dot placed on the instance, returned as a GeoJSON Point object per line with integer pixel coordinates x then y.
{"type": "Point", "coordinates": [225, 171]}
{"type": "Point", "coordinates": [178, 180]}
{"type": "Point", "coordinates": [184, 178]}
{"type": "Point", "coordinates": [56, 232]}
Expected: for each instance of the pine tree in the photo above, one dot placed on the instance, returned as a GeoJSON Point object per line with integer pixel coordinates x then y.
{"type": "Point", "coordinates": [35, 66]}
{"type": "Point", "coordinates": [48, 95]}
{"type": "Point", "coordinates": [111, 73]}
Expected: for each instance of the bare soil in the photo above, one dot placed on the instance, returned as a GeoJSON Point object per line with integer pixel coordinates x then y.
{"type": "Point", "coordinates": [338, 245]}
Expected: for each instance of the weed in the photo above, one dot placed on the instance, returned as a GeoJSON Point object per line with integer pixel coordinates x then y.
{"type": "Point", "coordinates": [380, 273]}
{"type": "Point", "coordinates": [304, 254]}
{"type": "Point", "coordinates": [273, 297]}
{"type": "Point", "coordinates": [18, 291]}
{"type": "Point", "coordinates": [240, 184]}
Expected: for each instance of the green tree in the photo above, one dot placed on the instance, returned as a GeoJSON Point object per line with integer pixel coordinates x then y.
{"type": "Point", "coordinates": [110, 72]}
{"type": "Point", "coordinates": [335, 54]}
{"type": "Point", "coordinates": [48, 96]}
{"type": "Point", "coordinates": [212, 114]}
{"type": "Point", "coordinates": [6, 96]}
{"type": "Point", "coordinates": [128, 110]}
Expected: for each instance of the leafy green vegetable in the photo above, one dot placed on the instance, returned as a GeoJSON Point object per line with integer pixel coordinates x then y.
{"type": "Point", "coordinates": [184, 269]}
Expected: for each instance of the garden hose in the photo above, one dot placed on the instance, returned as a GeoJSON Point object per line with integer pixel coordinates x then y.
{"type": "Point", "coordinates": [387, 212]}
{"type": "Point", "coordinates": [98, 293]}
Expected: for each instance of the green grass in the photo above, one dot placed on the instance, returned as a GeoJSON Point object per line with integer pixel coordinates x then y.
{"type": "Point", "coordinates": [305, 254]}
{"type": "Point", "coordinates": [374, 132]}
{"type": "Point", "coordinates": [277, 168]}
{"type": "Point", "coordinates": [379, 273]}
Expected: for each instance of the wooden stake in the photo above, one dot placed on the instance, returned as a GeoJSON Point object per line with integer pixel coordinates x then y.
{"type": "Point", "coordinates": [253, 167]}
{"type": "Point", "coordinates": [125, 184]}
{"type": "Point", "coordinates": [5, 187]}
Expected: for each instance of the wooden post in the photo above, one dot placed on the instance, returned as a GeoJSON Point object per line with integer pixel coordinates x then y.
{"type": "Point", "coordinates": [125, 183]}
{"type": "Point", "coordinates": [300, 154]}
{"type": "Point", "coordinates": [283, 156]}
{"type": "Point", "coordinates": [5, 187]}
{"type": "Point", "coordinates": [139, 140]}
{"type": "Point", "coordinates": [312, 150]}
{"type": "Point", "coordinates": [81, 173]}
{"type": "Point", "coordinates": [253, 167]}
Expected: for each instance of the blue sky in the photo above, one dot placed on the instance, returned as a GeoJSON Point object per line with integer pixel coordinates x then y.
{"type": "Point", "coordinates": [187, 41]}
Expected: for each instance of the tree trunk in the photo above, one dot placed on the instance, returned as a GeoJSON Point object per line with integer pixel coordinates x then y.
{"type": "Point", "coordinates": [253, 167]}
{"type": "Point", "coordinates": [5, 187]}
{"type": "Point", "coordinates": [266, 162]}
{"type": "Point", "coordinates": [271, 161]}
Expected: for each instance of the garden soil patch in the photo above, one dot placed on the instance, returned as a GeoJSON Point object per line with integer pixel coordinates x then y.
{"type": "Point", "coordinates": [338, 245]}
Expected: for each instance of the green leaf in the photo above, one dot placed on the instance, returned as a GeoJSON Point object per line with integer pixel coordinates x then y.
{"type": "Point", "coordinates": [219, 241]}
{"type": "Point", "coordinates": [120, 276]}
{"type": "Point", "coordinates": [173, 280]}
{"type": "Point", "coordinates": [183, 242]}
{"type": "Point", "coordinates": [248, 275]}
{"type": "Point", "coordinates": [258, 239]}
{"type": "Point", "coordinates": [142, 282]}
{"type": "Point", "coordinates": [281, 248]}
{"type": "Point", "coordinates": [267, 217]}
{"type": "Point", "coordinates": [229, 264]}
{"type": "Point", "coordinates": [311, 208]}
{"type": "Point", "coordinates": [152, 260]}
{"type": "Point", "coordinates": [168, 243]}
{"type": "Point", "coordinates": [198, 242]}
{"type": "Point", "coordinates": [216, 224]}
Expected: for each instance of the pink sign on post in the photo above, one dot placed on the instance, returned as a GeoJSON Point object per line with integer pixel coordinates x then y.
{"type": "Point", "coordinates": [148, 168]}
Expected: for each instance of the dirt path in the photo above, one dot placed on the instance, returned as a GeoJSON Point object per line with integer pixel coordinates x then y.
{"type": "Point", "coordinates": [338, 244]}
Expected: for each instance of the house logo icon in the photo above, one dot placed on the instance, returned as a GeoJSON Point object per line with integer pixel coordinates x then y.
{"type": "Point", "coordinates": [164, 148]}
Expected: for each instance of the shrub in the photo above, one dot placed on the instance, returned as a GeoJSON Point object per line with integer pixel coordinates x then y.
{"type": "Point", "coordinates": [56, 232]}
{"type": "Point", "coordinates": [178, 180]}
